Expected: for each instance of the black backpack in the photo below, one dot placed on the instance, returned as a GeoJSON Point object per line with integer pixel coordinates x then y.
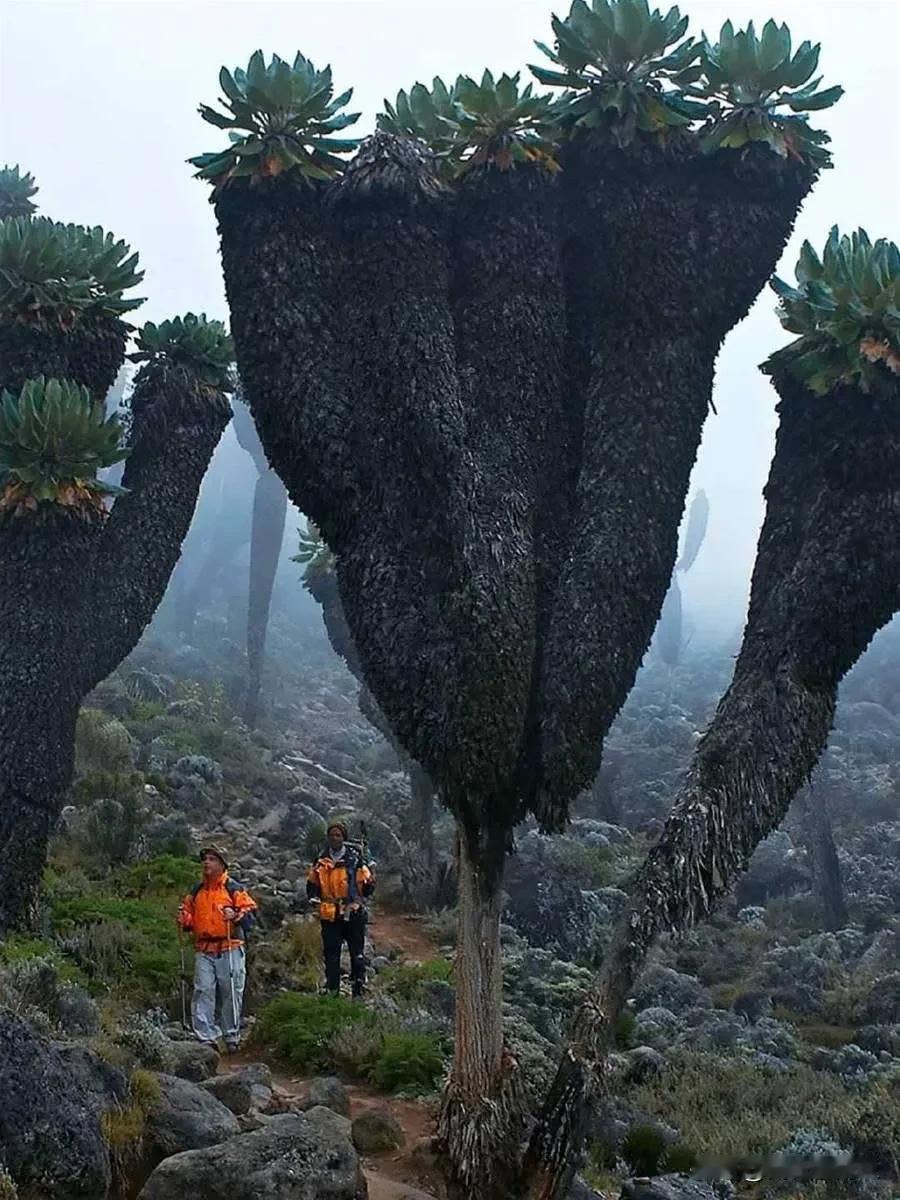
{"type": "Point", "coordinates": [232, 888]}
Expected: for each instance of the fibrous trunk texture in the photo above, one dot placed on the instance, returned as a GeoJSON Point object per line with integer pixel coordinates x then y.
{"type": "Point", "coordinates": [666, 250]}
{"type": "Point", "coordinates": [41, 588]}
{"type": "Point", "coordinates": [74, 599]}
{"type": "Point", "coordinates": [827, 578]}
{"type": "Point", "coordinates": [481, 1114]}
{"type": "Point", "coordinates": [269, 513]}
{"type": "Point", "coordinates": [90, 353]}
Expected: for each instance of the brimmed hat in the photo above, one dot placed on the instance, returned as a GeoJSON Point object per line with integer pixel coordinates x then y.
{"type": "Point", "coordinates": [217, 851]}
{"type": "Point", "coordinates": [338, 825]}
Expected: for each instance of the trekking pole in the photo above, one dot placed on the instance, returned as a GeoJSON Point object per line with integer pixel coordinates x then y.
{"type": "Point", "coordinates": [184, 1020]}
{"type": "Point", "coordinates": [234, 1009]}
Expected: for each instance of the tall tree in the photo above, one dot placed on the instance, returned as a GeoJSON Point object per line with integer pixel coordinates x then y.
{"type": "Point", "coordinates": [78, 583]}
{"type": "Point", "coordinates": [266, 539]}
{"type": "Point", "coordinates": [817, 833]}
{"type": "Point", "coordinates": [827, 578]}
{"type": "Point", "coordinates": [485, 380]}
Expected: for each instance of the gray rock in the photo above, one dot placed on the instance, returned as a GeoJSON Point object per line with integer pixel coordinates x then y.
{"type": "Point", "coordinates": [50, 1132]}
{"type": "Point", "coordinates": [258, 1078]}
{"type": "Point", "coordinates": [675, 1187]}
{"type": "Point", "coordinates": [232, 1091]}
{"type": "Point", "coordinates": [191, 1060]}
{"type": "Point", "coordinates": [298, 1156]}
{"type": "Point", "coordinates": [377, 1130]}
{"type": "Point", "coordinates": [94, 1074]}
{"type": "Point", "coordinates": [329, 1092]}
{"type": "Point", "coordinates": [187, 1118]}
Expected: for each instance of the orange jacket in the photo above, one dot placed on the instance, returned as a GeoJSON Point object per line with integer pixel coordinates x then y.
{"type": "Point", "coordinates": [336, 886]}
{"type": "Point", "coordinates": [201, 914]}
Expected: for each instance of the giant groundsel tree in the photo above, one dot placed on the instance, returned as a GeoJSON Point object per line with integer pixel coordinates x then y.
{"type": "Point", "coordinates": [480, 354]}
{"type": "Point", "coordinates": [78, 581]}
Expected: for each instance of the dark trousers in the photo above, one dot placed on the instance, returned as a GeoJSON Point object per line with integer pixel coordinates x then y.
{"type": "Point", "coordinates": [351, 930]}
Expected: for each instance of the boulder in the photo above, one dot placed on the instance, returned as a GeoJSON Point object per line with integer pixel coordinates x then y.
{"type": "Point", "coordinates": [675, 1187]}
{"type": "Point", "coordinates": [192, 1061]}
{"type": "Point", "coordinates": [94, 1074]}
{"type": "Point", "coordinates": [298, 1156]}
{"type": "Point", "coordinates": [187, 1118]}
{"type": "Point", "coordinates": [377, 1130]}
{"type": "Point", "coordinates": [50, 1132]}
{"type": "Point", "coordinates": [329, 1092]}
{"type": "Point", "coordinates": [232, 1091]}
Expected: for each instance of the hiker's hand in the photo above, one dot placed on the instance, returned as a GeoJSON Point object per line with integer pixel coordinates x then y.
{"type": "Point", "coordinates": [355, 906]}
{"type": "Point", "coordinates": [229, 913]}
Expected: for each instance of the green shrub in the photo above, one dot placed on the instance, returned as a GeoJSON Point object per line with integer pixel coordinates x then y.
{"type": "Point", "coordinates": [8, 1189]}
{"type": "Point", "coordinates": [313, 841]}
{"type": "Point", "coordinates": [644, 1149]}
{"type": "Point", "coordinates": [101, 744]}
{"type": "Point", "coordinates": [299, 1028]}
{"type": "Point", "coordinates": [409, 1062]}
{"type": "Point", "coordinates": [406, 981]}
{"type": "Point", "coordinates": [679, 1159]}
{"type": "Point", "coordinates": [169, 876]}
{"type": "Point", "coordinates": [625, 1030]}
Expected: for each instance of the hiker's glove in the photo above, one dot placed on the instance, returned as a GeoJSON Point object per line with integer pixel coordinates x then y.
{"type": "Point", "coordinates": [229, 913]}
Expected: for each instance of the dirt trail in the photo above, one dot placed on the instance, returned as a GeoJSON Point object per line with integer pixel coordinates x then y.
{"type": "Point", "coordinates": [403, 1174]}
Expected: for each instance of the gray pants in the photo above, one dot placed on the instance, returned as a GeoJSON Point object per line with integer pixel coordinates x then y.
{"type": "Point", "coordinates": [212, 1014]}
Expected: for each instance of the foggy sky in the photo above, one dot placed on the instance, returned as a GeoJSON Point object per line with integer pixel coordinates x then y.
{"type": "Point", "coordinates": [99, 101]}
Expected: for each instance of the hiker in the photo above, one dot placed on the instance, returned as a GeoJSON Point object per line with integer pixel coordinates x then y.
{"type": "Point", "coordinates": [339, 882]}
{"type": "Point", "coordinates": [218, 912]}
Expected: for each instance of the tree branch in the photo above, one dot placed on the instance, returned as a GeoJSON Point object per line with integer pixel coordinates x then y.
{"type": "Point", "coordinates": [176, 426]}
{"type": "Point", "coordinates": [827, 578]}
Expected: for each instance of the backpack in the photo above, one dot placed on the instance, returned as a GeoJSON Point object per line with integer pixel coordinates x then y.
{"type": "Point", "coordinates": [249, 921]}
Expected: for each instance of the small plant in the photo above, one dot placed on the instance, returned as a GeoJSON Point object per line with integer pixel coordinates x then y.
{"type": "Point", "coordinates": [101, 743]}
{"type": "Point", "coordinates": [406, 981]}
{"type": "Point", "coordinates": [625, 68]}
{"type": "Point", "coordinates": [8, 1189]}
{"type": "Point", "coordinates": [202, 345]}
{"type": "Point", "coordinates": [409, 1062]}
{"type": "Point", "coordinates": [644, 1149]}
{"type": "Point", "coordinates": [846, 309]}
{"type": "Point", "coordinates": [313, 552]}
{"type": "Point", "coordinates": [430, 116]}
{"type": "Point", "coordinates": [55, 273]}
{"type": "Point", "coordinates": [280, 117]}
{"type": "Point", "coordinates": [53, 441]}
{"type": "Point", "coordinates": [758, 92]}
{"type": "Point", "coordinates": [299, 1028]}
{"type": "Point", "coordinates": [16, 191]}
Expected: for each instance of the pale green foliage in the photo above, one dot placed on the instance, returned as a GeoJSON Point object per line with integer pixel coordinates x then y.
{"type": "Point", "coordinates": [280, 117]}
{"type": "Point", "coordinates": [201, 345]}
{"type": "Point", "coordinates": [8, 1189]}
{"type": "Point", "coordinates": [625, 67]}
{"type": "Point", "coordinates": [16, 191]}
{"type": "Point", "coordinates": [53, 271]}
{"type": "Point", "coordinates": [53, 440]}
{"type": "Point", "coordinates": [759, 92]}
{"type": "Point", "coordinates": [476, 123]}
{"type": "Point", "coordinates": [846, 309]}
{"type": "Point", "coordinates": [314, 553]}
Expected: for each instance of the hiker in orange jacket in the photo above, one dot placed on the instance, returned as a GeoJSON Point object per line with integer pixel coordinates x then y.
{"type": "Point", "coordinates": [340, 883]}
{"type": "Point", "coordinates": [217, 912]}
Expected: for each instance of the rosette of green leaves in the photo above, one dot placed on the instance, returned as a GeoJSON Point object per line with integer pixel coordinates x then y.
{"type": "Point", "coordinates": [313, 552]}
{"type": "Point", "coordinates": [500, 124]}
{"type": "Point", "coordinates": [16, 191]}
{"type": "Point", "coordinates": [201, 345]}
{"type": "Point", "coordinates": [625, 67]}
{"type": "Point", "coordinates": [51, 271]}
{"type": "Point", "coordinates": [759, 92]}
{"type": "Point", "coordinates": [846, 310]}
{"type": "Point", "coordinates": [279, 117]}
{"type": "Point", "coordinates": [433, 117]}
{"type": "Point", "coordinates": [53, 436]}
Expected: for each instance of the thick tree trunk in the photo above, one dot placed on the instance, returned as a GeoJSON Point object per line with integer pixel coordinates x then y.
{"type": "Point", "coordinates": [90, 353]}
{"type": "Point", "coordinates": [42, 594]}
{"type": "Point", "coordinates": [269, 513]}
{"type": "Point", "coordinates": [481, 1113]}
{"type": "Point", "coordinates": [817, 832]}
{"type": "Point", "coordinates": [666, 251]}
{"type": "Point", "coordinates": [827, 578]}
